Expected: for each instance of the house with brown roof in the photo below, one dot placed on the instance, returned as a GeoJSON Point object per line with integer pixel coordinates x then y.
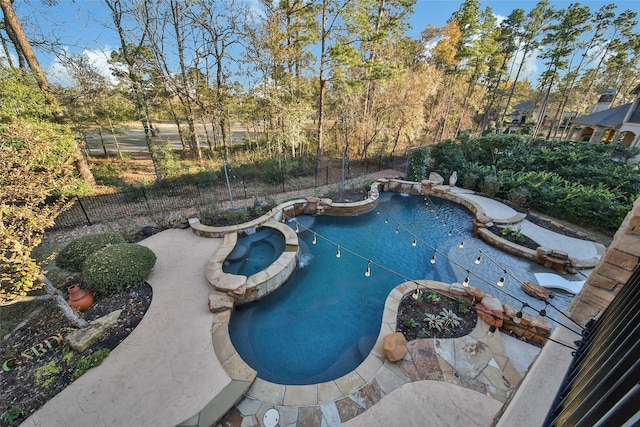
{"type": "Point", "coordinates": [619, 125]}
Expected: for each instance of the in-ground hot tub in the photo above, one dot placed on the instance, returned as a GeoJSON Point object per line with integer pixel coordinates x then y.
{"type": "Point", "coordinates": [255, 252]}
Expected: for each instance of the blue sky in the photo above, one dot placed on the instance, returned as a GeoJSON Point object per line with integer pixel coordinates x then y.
{"type": "Point", "coordinates": [83, 25]}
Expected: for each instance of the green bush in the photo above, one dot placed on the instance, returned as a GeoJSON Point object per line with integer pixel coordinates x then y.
{"type": "Point", "coordinates": [418, 164]}
{"type": "Point", "coordinates": [107, 174]}
{"type": "Point", "coordinates": [447, 156]}
{"type": "Point", "coordinates": [583, 183]}
{"type": "Point", "coordinates": [116, 268]}
{"type": "Point", "coordinates": [74, 254]}
{"type": "Point", "coordinates": [490, 185]}
{"type": "Point", "coordinates": [519, 197]}
{"type": "Point", "coordinates": [470, 180]}
{"type": "Point", "coordinates": [236, 216]}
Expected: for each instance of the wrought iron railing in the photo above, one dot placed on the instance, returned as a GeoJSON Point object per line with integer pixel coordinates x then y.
{"type": "Point", "coordinates": [602, 384]}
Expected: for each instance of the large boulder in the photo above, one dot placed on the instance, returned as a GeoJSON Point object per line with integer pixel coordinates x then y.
{"type": "Point", "coordinates": [436, 178]}
{"type": "Point", "coordinates": [395, 347]}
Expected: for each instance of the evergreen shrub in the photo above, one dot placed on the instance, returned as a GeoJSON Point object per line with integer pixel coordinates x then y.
{"type": "Point", "coordinates": [418, 164]}
{"type": "Point", "coordinates": [76, 252]}
{"type": "Point", "coordinates": [116, 268]}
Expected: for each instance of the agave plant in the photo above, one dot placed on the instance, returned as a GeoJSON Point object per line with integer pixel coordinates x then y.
{"type": "Point", "coordinates": [434, 321]}
{"type": "Point", "coordinates": [449, 318]}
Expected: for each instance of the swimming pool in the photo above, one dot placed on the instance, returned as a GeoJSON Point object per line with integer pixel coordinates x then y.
{"type": "Point", "coordinates": [324, 321]}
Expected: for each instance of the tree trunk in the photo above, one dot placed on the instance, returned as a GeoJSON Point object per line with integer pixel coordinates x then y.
{"type": "Point", "coordinates": [7, 54]}
{"type": "Point", "coordinates": [104, 146]}
{"type": "Point", "coordinates": [63, 305]}
{"type": "Point", "coordinates": [54, 294]}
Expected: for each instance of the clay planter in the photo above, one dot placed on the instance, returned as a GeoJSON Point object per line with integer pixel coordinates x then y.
{"type": "Point", "coordinates": [79, 298]}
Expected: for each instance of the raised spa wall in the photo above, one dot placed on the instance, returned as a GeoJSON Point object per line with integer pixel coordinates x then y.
{"type": "Point", "coordinates": [245, 289]}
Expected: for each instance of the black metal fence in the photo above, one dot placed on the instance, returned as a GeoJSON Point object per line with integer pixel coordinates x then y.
{"type": "Point", "coordinates": [156, 199]}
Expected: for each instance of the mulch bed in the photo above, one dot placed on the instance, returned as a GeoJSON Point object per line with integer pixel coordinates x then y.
{"type": "Point", "coordinates": [521, 240]}
{"type": "Point", "coordinates": [222, 219]}
{"type": "Point", "coordinates": [30, 383]}
{"type": "Point", "coordinates": [527, 242]}
{"type": "Point", "coordinates": [347, 196]}
{"type": "Point", "coordinates": [410, 309]}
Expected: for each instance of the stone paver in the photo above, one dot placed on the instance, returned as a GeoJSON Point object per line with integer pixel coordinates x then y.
{"type": "Point", "coordinates": [410, 406]}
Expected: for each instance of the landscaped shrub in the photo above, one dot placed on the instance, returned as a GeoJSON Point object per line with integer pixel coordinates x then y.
{"type": "Point", "coordinates": [418, 164]}
{"type": "Point", "coordinates": [447, 156]}
{"type": "Point", "coordinates": [519, 197]}
{"type": "Point", "coordinates": [116, 268]}
{"type": "Point", "coordinates": [470, 180]}
{"type": "Point", "coordinates": [490, 185]}
{"type": "Point", "coordinates": [74, 254]}
{"type": "Point", "coordinates": [236, 216]}
{"type": "Point", "coordinates": [580, 182]}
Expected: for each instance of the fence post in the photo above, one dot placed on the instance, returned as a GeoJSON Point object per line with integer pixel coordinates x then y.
{"type": "Point", "coordinates": [145, 198]}
{"type": "Point", "coordinates": [84, 211]}
{"type": "Point", "coordinates": [244, 187]}
{"type": "Point", "coordinates": [326, 179]}
{"type": "Point", "coordinates": [406, 168]}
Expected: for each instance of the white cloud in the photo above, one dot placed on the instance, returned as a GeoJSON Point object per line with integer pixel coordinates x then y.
{"type": "Point", "coordinates": [530, 69]}
{"type": "Point", "coordinates": [99, 58]}
{"type": "Point", "coordinates": [3, 58]}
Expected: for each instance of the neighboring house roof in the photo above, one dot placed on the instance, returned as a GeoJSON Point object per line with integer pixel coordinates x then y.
{"type": "Point", "coordinates": [613, 117]}
{"type": "Point", "coordinates": [526, 106]}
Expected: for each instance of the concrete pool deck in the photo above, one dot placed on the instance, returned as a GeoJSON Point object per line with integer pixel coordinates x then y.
{"type": "Point", "coordinates": [166, 370]}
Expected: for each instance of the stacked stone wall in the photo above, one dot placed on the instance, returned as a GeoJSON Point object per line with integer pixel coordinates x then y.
{"type": "Point", "coordinates": [612, 272]}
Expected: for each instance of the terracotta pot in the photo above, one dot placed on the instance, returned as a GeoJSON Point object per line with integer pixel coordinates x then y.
{"type": "Point", "coordinates": [79, 298]}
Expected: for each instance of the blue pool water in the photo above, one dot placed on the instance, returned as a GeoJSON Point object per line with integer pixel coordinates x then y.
{"type": "Point", "coordinates": [255, 252]}
{"type": "Point", "coordinates": [324, 321]}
